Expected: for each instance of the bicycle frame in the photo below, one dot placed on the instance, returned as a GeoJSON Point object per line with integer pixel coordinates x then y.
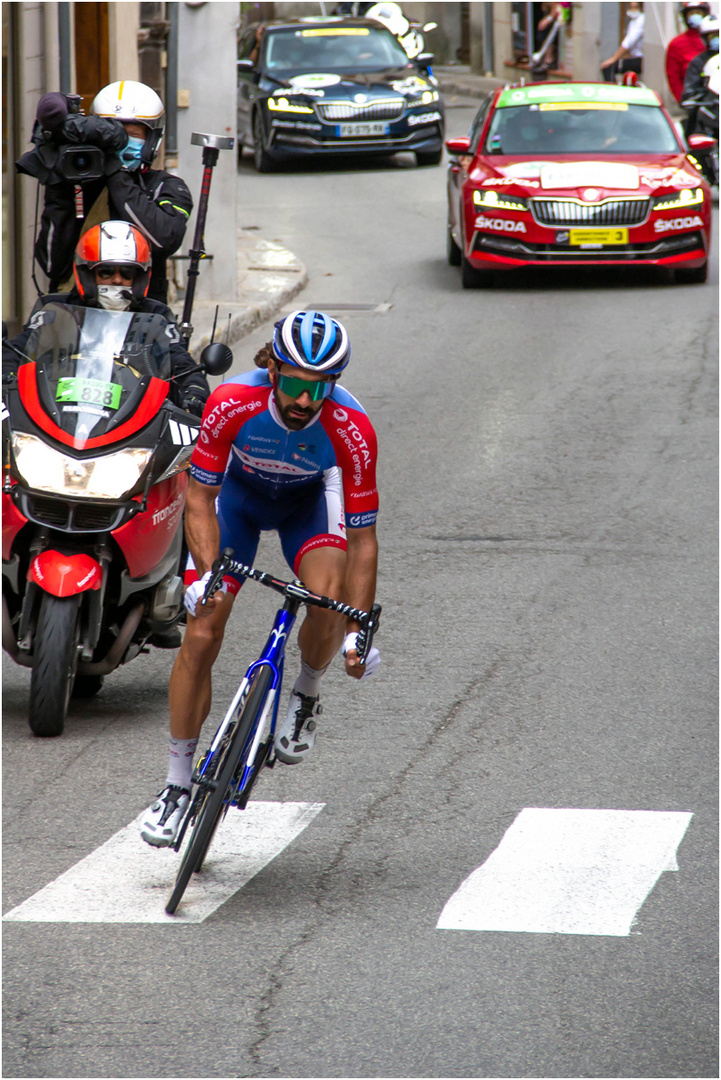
{"type": "Point", "coordinates": [272, 656]}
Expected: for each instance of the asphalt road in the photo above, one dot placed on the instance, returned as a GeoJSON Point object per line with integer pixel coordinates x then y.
{"type": "Point", "coordinates": [548, 564]}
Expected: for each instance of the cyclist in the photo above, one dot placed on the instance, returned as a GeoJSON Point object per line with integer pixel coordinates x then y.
{"type": "Point", "coordinates": [286, 449]}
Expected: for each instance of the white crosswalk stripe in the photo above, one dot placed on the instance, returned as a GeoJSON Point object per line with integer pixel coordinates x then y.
{"type": "Point", "coordinates": [569, 872]}
{"type": "Point", "coordinates": [126, 881]}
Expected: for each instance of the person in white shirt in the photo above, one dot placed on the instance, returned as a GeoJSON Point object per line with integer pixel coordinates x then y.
{"type": "Point", "coordinates": [629, 54]}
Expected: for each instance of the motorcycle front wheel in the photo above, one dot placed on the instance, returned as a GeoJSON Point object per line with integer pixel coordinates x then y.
{"type": "Point", "coordinates": [55, 653]}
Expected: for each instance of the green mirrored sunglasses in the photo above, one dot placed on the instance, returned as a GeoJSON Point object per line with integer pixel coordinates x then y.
{"type": "Point", "coordinates": [293, 387]}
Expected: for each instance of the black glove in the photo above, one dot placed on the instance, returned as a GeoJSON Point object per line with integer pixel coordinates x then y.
{"type": "Point", "coordinates": [193, 404]}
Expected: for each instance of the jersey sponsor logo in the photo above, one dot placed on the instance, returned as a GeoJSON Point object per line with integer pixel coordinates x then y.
{"type": "Point", "coordinates": [203, 476]}
{"type": "Point", "coordinates": [673, 224]}
{"type": "Point", "coordinates": [224, 411]}
{"type": "Point", "coordinates": [360, 521]}
{"type": "Point", "coordinates": [499, 224]}
{"type": "Point", "coordinates": [270, 466]}
{"type": "Point", "coordinates": [354, 439]}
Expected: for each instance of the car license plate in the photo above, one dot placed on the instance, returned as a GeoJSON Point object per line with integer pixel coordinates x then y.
{"type": "Point", "coordinates": [597, 237]}
{"type": "Point", "coordinates": [358, 129]}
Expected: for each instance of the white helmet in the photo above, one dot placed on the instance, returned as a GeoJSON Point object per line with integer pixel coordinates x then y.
{"type": "Point", "coordinates": [709, 24]}
{"type": "Point", "coordinates": [136, 103]}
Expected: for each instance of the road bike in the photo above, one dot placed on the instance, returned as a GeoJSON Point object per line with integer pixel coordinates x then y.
{"type": "Point", "coordinates": [243, 745]}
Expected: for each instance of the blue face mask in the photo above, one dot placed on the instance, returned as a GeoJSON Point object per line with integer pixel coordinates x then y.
{"type": "Point", "coordinates": [713, 43]}
{"type": "Point", "coordinates": [130, 154]}
{"type": "Point", "coordinates": [694, 20]}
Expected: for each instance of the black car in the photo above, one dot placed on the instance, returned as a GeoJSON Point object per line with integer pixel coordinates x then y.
{"type": "Point", "coordinates": [334, 86]}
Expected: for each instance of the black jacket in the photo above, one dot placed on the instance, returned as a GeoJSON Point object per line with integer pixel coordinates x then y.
{"type": "Point", "coordinates": [158, 203]}
{"type": "Point", "coordinates": [189, 391]}
{"type": "Point", "coordinates": [694, 81]}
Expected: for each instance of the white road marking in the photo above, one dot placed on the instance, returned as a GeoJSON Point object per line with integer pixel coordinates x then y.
{"type": "Point", "coordinates": [126, 881]}
{"type": "Point", "coordinates": [569, 872]}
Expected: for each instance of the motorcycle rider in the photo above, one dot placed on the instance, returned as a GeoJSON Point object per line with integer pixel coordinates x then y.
{"type": "Point", "coordinates": [112, 270]}
{"type": "Point", "coordinates": [685, 47]}
{"type": "Point", "coordinates": [695, 81]}
{"type": "Point", "coordinates": [301, 460]}
{"type": "Point", "coordinates": [127, 120]}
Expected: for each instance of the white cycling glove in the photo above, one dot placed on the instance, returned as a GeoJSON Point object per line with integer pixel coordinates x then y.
{"type": "Point", "coordinates": [194, 592]}
{"type": "Point", "coordinates": [373, 660]}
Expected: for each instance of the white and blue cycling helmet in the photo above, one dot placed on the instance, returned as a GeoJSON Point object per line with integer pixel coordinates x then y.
{"type": "Point", "coordinates": [312, 341]}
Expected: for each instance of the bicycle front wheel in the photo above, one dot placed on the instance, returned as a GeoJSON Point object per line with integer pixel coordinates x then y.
{"type": "Point", "coordinates": [215, 802]}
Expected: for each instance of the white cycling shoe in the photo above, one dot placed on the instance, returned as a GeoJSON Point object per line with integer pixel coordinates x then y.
{"type": "Point", "coordinates": [161, 822]}
{"type": "Point", "coordinates": [295, 738]}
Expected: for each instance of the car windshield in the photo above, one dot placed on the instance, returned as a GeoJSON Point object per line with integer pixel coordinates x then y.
{"type": "Point", "coordinates": [570, 127]}
{"type": "Point", "coordinates": [336, 49]}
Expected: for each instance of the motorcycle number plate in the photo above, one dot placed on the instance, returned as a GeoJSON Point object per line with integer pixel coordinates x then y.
{"type": "Point", "coordinates": [92, 391]}
{"type": "Point", "coordinates": [361, 128]}
{"type": "Point", "coordinates": [597, 237]}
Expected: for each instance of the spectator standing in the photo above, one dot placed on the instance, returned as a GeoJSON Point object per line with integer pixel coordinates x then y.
{"type": "Point", "coordinates": [629, 55]}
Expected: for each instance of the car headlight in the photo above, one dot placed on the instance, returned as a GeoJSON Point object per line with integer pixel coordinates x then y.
{"type": "Point", "coordinates": [679, 200]}
{"type": "Point", "coordinates": [493, 201]}
{"type": "Point", "coordinates": [281, 104]}
{"type": "Point", "coordinates": [107, 477]}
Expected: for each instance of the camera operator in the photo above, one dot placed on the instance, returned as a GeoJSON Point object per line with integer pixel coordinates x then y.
{"type": "Point", "coordinates": [98, 167]}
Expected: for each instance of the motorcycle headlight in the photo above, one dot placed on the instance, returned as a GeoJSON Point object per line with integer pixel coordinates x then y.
{"type": "Point", "coordinates": [493, 201]}
{"type": "Point", "coordinates": [107, 477]}
{"type": "Point", "coordinates": [679, 200]}
{"type": "Point", "coordinates": [281, 104]}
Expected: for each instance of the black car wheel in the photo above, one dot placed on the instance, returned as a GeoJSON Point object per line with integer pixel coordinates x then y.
{"type": "Point", "coordinates": [432, 157]}
{"type": "Point", "coordinates": [696, 276]}
{"type": "Point", "coordinates": [263, 161]}
{"type": "Point", "coordinates": [453, 252]}
{"type": "Point", "coordinates": [471, 278]}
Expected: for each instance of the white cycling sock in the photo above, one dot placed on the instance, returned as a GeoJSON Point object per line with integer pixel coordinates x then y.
{"type": "Point", "coordinates": [308, 682]}
{"type": "Point", "coordinates": [180, 762]}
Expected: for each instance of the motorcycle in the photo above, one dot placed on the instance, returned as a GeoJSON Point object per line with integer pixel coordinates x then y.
{"type": "Point", "coordinates": [705, 107]}
{"type": "Point", "coordinates": [95, 460]}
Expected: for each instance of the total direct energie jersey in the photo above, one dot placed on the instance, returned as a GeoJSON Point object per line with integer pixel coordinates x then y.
{"type": "Point", "coordinates": [242, 433]}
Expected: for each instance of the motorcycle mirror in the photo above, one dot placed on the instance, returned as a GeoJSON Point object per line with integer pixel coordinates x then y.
{"type": "Point", "coordinates": [425, 58]}
{"type": "Point", "coordinates": [216, 358]}
{"type": "Point", "coordinates": [701, 142]}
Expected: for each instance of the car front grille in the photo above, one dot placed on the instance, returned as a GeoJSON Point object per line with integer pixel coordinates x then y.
{"type": "Point", "coordinates": [570, 212]}
{"type": "Point", "coordinates": [392, 109]}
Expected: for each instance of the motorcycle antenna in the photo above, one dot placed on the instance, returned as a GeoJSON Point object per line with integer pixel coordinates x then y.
{"type": "Point", "coordinates": [215, 323]}
{"type": "Point", "coordinates": [212, 145]}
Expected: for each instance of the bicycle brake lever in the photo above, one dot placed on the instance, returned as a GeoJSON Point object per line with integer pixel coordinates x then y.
{"type": "Point", "coordinates": [367, 633]}
{"type": "Point", "coordinates": [219, 568]}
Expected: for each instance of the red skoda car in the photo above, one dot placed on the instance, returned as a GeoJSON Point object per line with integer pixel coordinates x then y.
{"type": "Point", "coordinates": [575, 174]}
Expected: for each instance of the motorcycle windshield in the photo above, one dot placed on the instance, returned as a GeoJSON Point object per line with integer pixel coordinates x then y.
{"type": "Point", "coordinates": [94, 366]}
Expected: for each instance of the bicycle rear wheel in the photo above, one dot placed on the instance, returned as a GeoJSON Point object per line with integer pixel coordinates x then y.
{"type": "Point", "coordinates": [215, 802]}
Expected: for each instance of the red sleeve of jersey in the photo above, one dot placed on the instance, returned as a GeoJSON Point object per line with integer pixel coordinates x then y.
{"type": "Point", "coordinates": [226, 410]}
{"type": "Point", "coordinates": [356, 449]}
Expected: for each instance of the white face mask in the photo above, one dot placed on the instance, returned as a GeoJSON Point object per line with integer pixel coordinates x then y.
{"type": "Point", "coordinates": [114, 297]}
{"type": "Point", "coordinates": [632, 14]}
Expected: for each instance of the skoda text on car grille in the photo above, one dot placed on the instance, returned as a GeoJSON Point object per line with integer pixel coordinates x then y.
{"type": "Point", "coordinates": [575, 174]}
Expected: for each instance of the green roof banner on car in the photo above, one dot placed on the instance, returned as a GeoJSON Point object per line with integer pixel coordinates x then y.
{"type": "Point", "coordinates": [577, 93]}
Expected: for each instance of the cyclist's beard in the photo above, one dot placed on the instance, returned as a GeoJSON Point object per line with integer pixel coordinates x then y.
{"type": "Point", "coordinates": [291, 415]}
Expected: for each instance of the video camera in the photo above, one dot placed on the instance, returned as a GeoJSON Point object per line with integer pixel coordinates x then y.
{"type": "Point", "coordinates": [84, 162]}
{"type": "Point", "coordinates": [70, 146]}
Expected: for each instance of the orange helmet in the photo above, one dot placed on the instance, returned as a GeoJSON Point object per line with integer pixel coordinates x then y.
{"type": "Point", "coordinates": [112, 243]}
